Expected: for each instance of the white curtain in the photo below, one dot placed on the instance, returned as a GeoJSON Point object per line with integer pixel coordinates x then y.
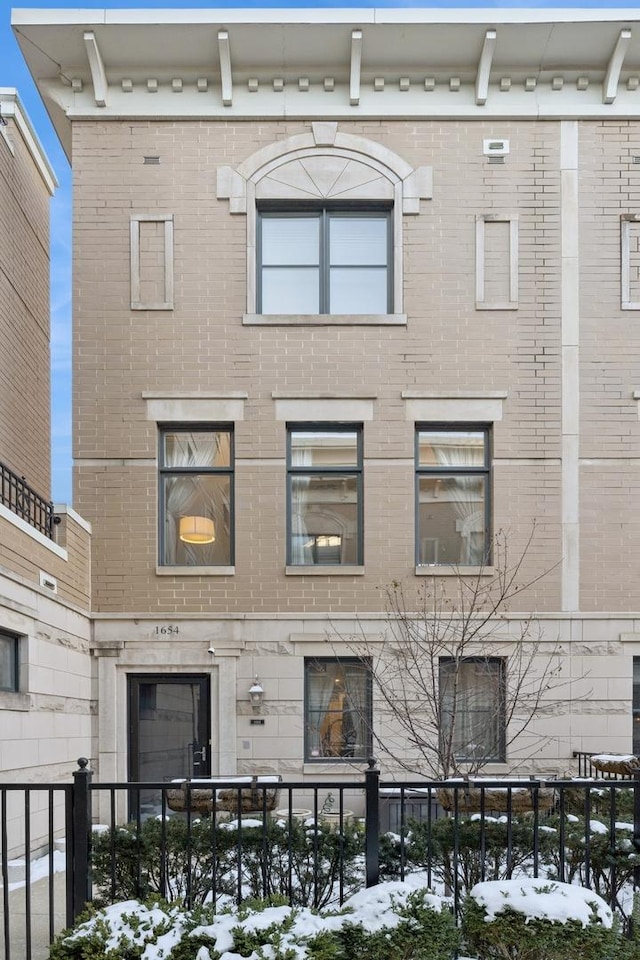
{"type": "Point", "coordinates": [183, 493]}
{"type": "Point", "coordinates": [355, 728]}
{"type": "Point", "coordinates": [477, 718]}
{"type": "Point", "coordinates": [320, 687]}
{"type": "Point", "coordinates": [463, 492]}
{"type": "Point", "coordinates": [301, 547]}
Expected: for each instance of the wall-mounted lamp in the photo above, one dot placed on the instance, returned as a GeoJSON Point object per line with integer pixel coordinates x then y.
{"type": "Point", "coordinates": [197, 530]}
{"type": "Point", "coordinates": [256, 695]}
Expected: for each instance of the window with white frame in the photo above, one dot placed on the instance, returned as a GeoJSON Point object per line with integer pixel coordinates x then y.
{"type": "Point", "coordinates": [196, 496]}
{"type": "Point", "coordinates": [337, 709]}
{"type": "Point", "coordinates": [472, 705]}
{"type": "Point", "coordinates": [324, 260]}
{"type": "Point", "coordinates": [453, 495]}
{"type": "Point", "coordinates": [324, 479]}
{"type": "Point", "coordinates": [9, 662]}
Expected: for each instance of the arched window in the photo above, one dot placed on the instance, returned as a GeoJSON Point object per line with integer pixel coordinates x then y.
{"type": "Point", "coordinates": [324, 227]}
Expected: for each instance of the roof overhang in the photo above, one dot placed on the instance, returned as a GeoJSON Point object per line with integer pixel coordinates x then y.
{"type": "Point", "coordinates": [11, 107]}
{"type": "Point", "coordinates": [339, 63]}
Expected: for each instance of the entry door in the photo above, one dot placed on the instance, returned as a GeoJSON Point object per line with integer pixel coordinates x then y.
{"type": "Point", "coordinates": [169, 730]}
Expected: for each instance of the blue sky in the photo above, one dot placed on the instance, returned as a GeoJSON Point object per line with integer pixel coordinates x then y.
{"type": "Point", "coordinates": [13, 73]}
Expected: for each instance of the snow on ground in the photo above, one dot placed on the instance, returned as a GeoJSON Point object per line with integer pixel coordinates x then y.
{"type": "Point", "coordinates": [39, 868]}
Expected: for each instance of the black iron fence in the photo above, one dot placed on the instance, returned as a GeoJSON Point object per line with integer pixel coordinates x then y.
{"type": "Point", "coordinates": [21, 499]}
{"type": "Point", "coordinates": [313, 842]}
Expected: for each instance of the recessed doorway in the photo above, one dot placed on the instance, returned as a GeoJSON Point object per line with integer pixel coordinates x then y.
{"type": "Point", "coordinates": [169, 730]}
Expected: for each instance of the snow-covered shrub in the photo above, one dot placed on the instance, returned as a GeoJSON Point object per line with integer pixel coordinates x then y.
{"type": "Point", "coordinates": [612, 861]}
{"type": "Point", "coordinates": [465, 850]}
{"type": "Point", "coordinates": [602, 798]}
{"type": "Point", "coordinates": [424, 930]}
{"type": "Point", "coordinates": [529, 919]}
{"type": "Point", "coordinates": [393, 921]}
{"type": "Point", "coordinates": [176, 862]}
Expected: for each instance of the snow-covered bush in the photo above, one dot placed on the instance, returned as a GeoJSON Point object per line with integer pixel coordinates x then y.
{"type": "Point", "coordinates": [178, 861]}
{"type": "Point", "coordinates": [465, 850]}
{"type": "Point", "coordinates": [611, 863]}
{"type": "Point", "coordinates": [393, 921]}
{"type": "Point", "coordinates": [529, 919]}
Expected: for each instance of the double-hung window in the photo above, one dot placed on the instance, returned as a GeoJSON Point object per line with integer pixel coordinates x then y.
{"type": "Point", "coordinates": [196, 496]}
{"type": "Point", "coordinates": [9, 662]}
{"type": "Point", "coordinates": [327, 260]}
{"type": "Point", "coordinates": [472, 704]}
{"type": "Point", "coordinates": [324, 479]}
{"type": "Point", "coordinates": [337, 707]}
{"type": "Point", "coordinates": [453, 506]}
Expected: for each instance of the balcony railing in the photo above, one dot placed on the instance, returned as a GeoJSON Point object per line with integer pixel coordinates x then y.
{"type": "Point", "coordinates": [21, 499]}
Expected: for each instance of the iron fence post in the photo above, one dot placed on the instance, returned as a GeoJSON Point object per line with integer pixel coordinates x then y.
{"type": "Point", "coordinates": [636, 824]}
{"type": "Point", "coordinates": [372, 824]}
{"type": "Point", "coordinates": [80, 837]}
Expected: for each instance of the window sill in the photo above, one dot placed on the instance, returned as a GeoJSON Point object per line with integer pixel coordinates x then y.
{"type": "Point", "coordinates": [328, 764]}
{"type": "Point", "coordinates": [14, 701]}
{"type": "Point", "coordinates": [451, 570]}
{"type": "Point", "coordinates": [325, 570]}
{"type": "Point", "coordinates": [325, 319]}
{"type": "Point", "coordinates": [195, 571]}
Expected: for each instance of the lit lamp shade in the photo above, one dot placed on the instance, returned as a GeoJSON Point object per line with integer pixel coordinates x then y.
{"type": "Point", "coordinates": [197, 530]}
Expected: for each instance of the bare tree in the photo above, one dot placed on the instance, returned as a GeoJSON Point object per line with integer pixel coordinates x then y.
{"type": "Point", "coordinates": [456, 681]}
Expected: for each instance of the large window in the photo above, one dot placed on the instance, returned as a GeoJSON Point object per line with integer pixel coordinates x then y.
{"type": "Point", "coordinates": [636, 706]}
{"type": "Point", "coordinates": [337, 706]}
{"type": "Point", "coordinates": [326, 260]}
{"type": "Point", "coordinates": [196, 496]}
{"type": "Point", "coordinates": [9, 662]}
{"type": "Point", "coordinates": [324, 495]}
{"type": "Point", "coordinates": [473, 708]}
{"type": "Point", "coordinates": [452, 495]}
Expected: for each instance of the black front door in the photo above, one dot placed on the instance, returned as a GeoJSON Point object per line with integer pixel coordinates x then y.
{"type": "Point", "coordinates": [169, 730]}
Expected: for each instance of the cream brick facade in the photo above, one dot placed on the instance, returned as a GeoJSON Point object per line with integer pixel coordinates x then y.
{"type": "Point", "coordinates": [530, 334]}
{"type": "Point", "coordinates": [45, 591]}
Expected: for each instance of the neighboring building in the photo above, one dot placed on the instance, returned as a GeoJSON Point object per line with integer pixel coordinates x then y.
{"type": "Point", "coordinates": [353, 291]}
{"type": "Point", "coordinates": [46, 693]}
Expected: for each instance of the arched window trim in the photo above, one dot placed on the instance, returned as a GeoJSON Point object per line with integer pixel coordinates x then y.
{"type": "Point", "coordinates": [407, 187]}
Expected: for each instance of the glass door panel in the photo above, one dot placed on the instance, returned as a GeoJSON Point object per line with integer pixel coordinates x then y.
{"type": "Point", "coordinates": [169, 731]}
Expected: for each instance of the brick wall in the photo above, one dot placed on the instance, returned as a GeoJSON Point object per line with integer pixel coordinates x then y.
{"type": "Point", "coordinates": [24, 315]}
{"type": "Point", "coordinates": [447, 345]}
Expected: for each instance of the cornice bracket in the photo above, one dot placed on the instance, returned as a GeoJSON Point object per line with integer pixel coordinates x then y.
{"type": "Point", "coordinates": [226, 78]}
{"type": "Point", "coordinates": [98, 75]}
{"type": "Point", "coordinates": [356, 62]}
{"type": "Point", "coordinates": [610, 86]}
{"type": "Point", "coordinates": [484, 67]}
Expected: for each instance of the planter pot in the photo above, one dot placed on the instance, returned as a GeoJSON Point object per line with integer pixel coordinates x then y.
{"type": "Point", "coordinates": [296, 813]}
{"type": "Point", "coordinates": [496, 799]}
{"type": "Point", "coordinates": [333, 819]}
{"type": "Point", "coordinates": [623, 765]}
{"type": "Point", "coordinates": [200, 801]}
{"type": "Point", "coordinates": [204, 799]}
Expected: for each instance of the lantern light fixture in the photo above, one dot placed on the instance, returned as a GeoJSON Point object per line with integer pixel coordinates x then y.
{"type": "Point", "coordinates": [256, 695]}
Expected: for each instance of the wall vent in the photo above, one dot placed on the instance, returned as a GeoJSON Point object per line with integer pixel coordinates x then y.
{"type": "Point", "coordinates": [635, 159]}
{"type": "Point", "coordinates": [495, 159]}
{"type": "Point", "coordinates": [496, 147]}
{"type": "Point", "coordinates": [155, 160]}
{"type": "Point", "coordinates": [46, 580]}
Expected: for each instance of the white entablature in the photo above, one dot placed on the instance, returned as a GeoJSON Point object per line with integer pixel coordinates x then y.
{"type": "Point", "coordinates": [333, 63]}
